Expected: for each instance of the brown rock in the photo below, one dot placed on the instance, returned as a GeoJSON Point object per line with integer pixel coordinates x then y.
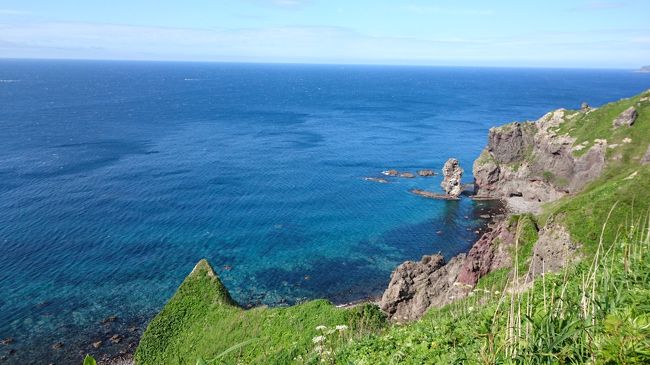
{"type": "Point", "coordinates": [116, 338]}
{"type": "Point", "coordinates": [407, 175]}
{"type": "Point", "coordinates": [109, 319]}
{"type": "Point", "coordinates": [491, 252]}
{"type": "Point", "coordinates": [529, 161]}
{"type": "Point", "coordinates": [626, 118]}
{"type": "Point", "coordinates": [7, 341]}
{"type": "Point", "coordinates": [553, 251]}
{"type": "Point", "coordinates": [58, 346]}
{"type": "Point", "coordinates": [426, 173]}
{"type": "Point", "coordinates": [430, 195]}
{"type": "Point", "coordinates": [390, 172]}
{"type": "Point", "coordinates": [97, 344]}
{"type": "Point", "coordinates": [417, 286]}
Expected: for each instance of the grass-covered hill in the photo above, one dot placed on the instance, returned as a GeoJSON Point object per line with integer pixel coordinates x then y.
{"type": "Point", "coordinates": [595, 311]}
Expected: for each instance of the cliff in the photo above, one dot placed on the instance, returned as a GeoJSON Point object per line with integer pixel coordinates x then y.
{"type": "Point", "coordinates": [528, 165]}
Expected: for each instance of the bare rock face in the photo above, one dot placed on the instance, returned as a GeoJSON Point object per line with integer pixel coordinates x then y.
{"type": "Point", "coordinates": [626, 118]}
{"type": "Point", "coordinates": [491, 252]}
{"type": "Point", "coordinates": [553, 251]}
{"type": "Point", "coordinates": [452, 173]}
{"type": "Point", "coordinates": [531, 162]}
{"type": "Point", "coordinates": [417, 286]}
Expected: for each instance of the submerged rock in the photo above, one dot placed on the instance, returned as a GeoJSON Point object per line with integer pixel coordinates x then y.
{"type": "Point", "coordinates": [376, 179]}
{"type": "Point", "coordinates": [453, 173]}
{"type": "Point", "coordinates": [7, 341]}
{"type": "Point", "coordinates": [430, 195]}
{"type": "Point", "coordinates": [391, 172]}
{"type": "Point", "coordinates": [626, 118]}
{"type": "Point", "coordinates": [426, 173]}
{"type": "Point", "coordinates": [407, 175]}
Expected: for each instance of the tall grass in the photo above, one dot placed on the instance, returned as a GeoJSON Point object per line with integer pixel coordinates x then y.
{"type": "Point", "coordinates": [595, 312]}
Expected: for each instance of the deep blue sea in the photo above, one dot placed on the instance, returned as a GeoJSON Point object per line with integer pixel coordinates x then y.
{"type": "Point", "coordinates": [117, 177]}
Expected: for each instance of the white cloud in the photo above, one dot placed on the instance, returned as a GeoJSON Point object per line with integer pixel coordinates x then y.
{"type": "Point", "coordinates": [13, 12]}
{"type": "Point", "coordinates": [315, 44]}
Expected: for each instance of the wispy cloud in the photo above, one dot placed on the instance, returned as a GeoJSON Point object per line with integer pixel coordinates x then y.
{"type": "Point", "coordinates": [431, 9]}
{"type": "Point", "coordinates": [600, 5]}
{"type": "Point", "coordinates": [287, 4]}
{"type": "Point", "coordinates": [13, 12]}
{"type": "Point", "coordinates": [313, 44]}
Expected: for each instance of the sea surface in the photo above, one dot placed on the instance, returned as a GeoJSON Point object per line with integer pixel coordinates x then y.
{"type": "Point", "coordinates": [117, 177]}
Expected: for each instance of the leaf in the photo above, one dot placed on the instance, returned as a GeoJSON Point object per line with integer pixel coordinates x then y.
{"type": "Point", "coordinates": [89, 360]}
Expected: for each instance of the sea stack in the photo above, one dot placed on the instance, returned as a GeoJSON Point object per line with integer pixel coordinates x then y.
{"type": "Point", "coordinates": [452, 173]}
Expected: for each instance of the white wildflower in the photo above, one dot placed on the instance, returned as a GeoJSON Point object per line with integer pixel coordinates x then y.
{"type": "Point", "coordinates": [318, 339]}
{"type": "Point", "coordinates": [341, 327]}
{"type": "Point", "coordinates": [321, 328]}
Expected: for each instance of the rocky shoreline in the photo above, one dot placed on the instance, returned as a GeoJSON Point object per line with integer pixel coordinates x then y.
{"type": "Point", "coordinates": [524, 165]}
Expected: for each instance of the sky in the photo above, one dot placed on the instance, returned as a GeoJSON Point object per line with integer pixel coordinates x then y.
{"type": "Point", "coordinates": [536, 33]}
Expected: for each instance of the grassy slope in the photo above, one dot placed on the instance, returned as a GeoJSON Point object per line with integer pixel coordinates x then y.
{"type": "Point", "coordinates": [200, 320]}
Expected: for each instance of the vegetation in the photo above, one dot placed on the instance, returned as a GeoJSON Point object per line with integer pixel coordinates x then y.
{"type": "Point", "coordinates": [201, 322]}
{"type": "Point", "coordinates": [597, 311]}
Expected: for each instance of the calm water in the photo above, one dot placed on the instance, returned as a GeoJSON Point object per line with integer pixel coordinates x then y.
{"type": "Point", "coordinates": [116, 178]}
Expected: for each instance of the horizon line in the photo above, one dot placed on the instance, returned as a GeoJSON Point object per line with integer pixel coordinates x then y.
{"type": "Point", "coordinates": [309, 63]}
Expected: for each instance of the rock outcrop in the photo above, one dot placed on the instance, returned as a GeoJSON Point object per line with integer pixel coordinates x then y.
{"type": "Point", "coordinates": [530, 160]}
{"type": "Point", "coordinates": [491, 252]}
{"type": "Point", "coordinates": [426, 173]}
{"type": "Point", "coordinates": [626, 118]}
{"type": "Point", "coordinates": [451, 182]}
{"type": "Point", "coordinates": [417, 286]}
{"type": "Point", "coordinates": [553, 251]}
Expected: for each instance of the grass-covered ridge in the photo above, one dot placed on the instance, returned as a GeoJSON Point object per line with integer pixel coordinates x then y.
{"type": "Point", "coordinates": [201, 322]}
{"type": "Point", "coordinates": [597, 311]}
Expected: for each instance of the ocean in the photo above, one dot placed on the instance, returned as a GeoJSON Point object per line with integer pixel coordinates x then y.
{"type": "Point", "coordinates": [117, 177]}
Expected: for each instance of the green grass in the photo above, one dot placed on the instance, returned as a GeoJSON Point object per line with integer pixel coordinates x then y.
{"type": "Point", "coordinates": [201, 321]}
{"type": "Point", "coordinates": [597, 124]}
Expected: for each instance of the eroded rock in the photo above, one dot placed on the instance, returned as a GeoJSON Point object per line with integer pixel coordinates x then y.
{"type": "Point", "coordinates": [426, 173]}
{"type": "Point", "coordinates": [417, 286]}
{"type": "Point", "coordinates": [553, 251]}
{"type": "Point", "coordinates": [453, 173]}
{"type": "Point", "coordinates": [530, 162]}
{"type": "Point", "coordinates": [626, 118]}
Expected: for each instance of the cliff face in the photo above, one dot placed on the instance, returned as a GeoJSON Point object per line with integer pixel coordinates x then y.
{"type": "Point", "coordinates": [528, 164]}
{"type": "Point", "coordinates": [532, 161]}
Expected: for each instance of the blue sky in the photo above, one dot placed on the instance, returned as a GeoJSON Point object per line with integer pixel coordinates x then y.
{"type": "Point", "coordinates": [549, 33]}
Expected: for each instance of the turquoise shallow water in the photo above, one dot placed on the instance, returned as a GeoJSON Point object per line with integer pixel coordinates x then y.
{"type": "Point", "coordinates": [116, 178]}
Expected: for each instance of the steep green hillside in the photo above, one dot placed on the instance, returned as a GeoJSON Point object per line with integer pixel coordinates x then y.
{"type": "Point", "coordinates": [202, 322]}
